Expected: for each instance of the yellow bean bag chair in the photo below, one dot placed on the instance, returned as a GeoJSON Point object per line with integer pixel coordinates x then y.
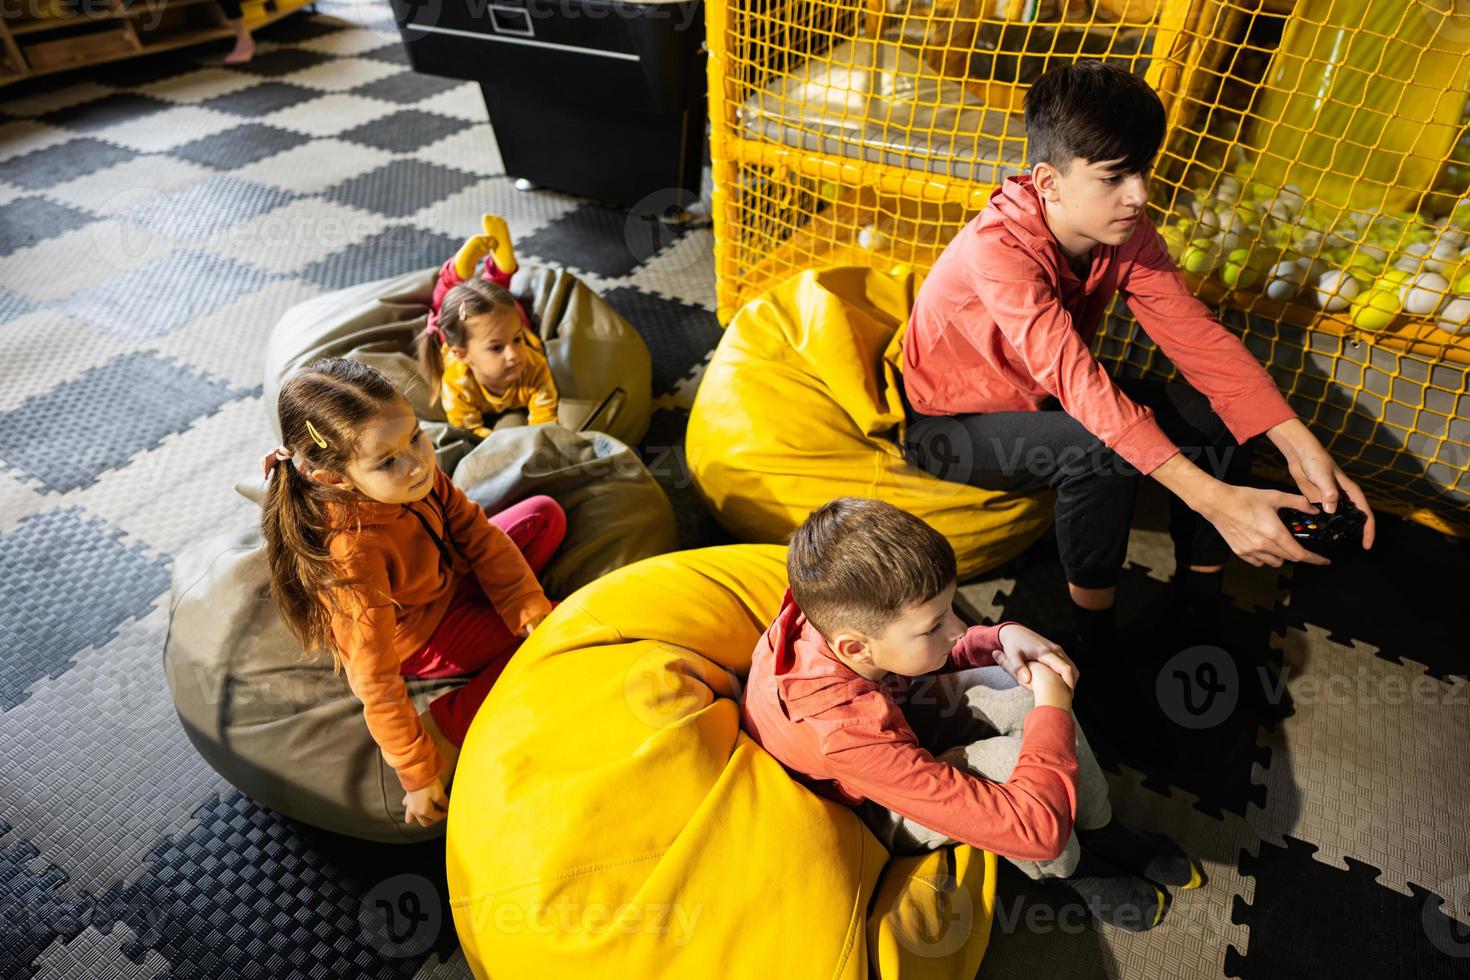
{"type": "Point", "coordinates": [800, 404]}
{"type": "Point", "coordinates": [609, 818]}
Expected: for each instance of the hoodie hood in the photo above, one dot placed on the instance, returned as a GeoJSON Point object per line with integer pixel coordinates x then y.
{"type": "Point", "coordinates": [809, 679]}
{"type": "Point", "coordinates": [1016, 209]}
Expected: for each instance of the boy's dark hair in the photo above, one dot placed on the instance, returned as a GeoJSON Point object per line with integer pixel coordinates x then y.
{"type": "Point", "coordinates": [856, 563]}
{"type": "Point", "coordinates": [1099, 112]}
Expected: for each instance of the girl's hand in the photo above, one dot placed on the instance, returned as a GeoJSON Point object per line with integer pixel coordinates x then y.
{"type": "Point", "coordinates": [426, 806]}
{"type": "Point", "coordinates": [1021, 646]}
{"type": "Point", "coordinates": [530, 626]}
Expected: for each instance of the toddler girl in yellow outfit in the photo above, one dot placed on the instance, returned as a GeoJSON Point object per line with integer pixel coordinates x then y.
{"type": "Point", "coordinates": [478, 348]}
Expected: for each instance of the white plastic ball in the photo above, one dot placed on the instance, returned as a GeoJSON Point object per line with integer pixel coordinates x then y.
{"type": "Point", "coordinates": [1284, 280]}
{"type": "Point", "coordinates": [870, 238]}
{"type": "Point", "coordinates": [1455, 317]}
{"type": "Point", "coordinates": [1423, 294]}
{"type": "Point", "coordinates": [1336, 289]}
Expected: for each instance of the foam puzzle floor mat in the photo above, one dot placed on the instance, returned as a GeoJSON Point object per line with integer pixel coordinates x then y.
{"type": "Point", "coordinates": [157, 217]}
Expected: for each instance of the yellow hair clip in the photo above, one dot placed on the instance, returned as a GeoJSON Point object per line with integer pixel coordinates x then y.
{"type": "Point", "coordinates": [316, 436]}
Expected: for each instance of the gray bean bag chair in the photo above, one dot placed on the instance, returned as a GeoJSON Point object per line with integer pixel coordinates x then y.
{"type": "Point", "coordinates": [601, 365]}
{"type": "Point", "coordinates": [280, 725]}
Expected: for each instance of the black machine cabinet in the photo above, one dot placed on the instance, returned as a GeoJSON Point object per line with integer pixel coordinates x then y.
{"type": "Point", "coordinates": [601, 98]}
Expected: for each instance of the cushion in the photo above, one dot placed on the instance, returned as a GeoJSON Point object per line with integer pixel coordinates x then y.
{"type": "Point", "coordinates": [281, 725]}
{"type": "Point", "coordinates": [801, 404]}
{"type": "Point", "coordinates": [609, 818]}
{"type": "Point", "coordinates": [595, 355]}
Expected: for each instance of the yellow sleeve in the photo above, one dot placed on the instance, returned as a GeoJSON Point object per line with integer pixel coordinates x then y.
{"type": "Point", "coordinates": [457, 397]}
{"type": "Point", "coordinates": [544, 398]}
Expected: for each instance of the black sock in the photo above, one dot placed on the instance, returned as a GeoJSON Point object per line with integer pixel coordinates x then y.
{"type": "Point", "coordinates": [1097, 629]}
{"type": "Point", "coordinates": [1204, 595]}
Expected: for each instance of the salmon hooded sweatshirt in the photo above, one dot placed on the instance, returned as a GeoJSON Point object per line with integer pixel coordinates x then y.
{"type": "Point", "coordinates": [846, 738]}
{"type": "Point", "coordinates": [1003, 324]}
{"type": "Point", "coordinates": [404, 585]}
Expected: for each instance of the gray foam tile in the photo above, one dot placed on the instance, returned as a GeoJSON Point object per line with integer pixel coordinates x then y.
{"type": "Point", "coordinates": [126, 406]}
{"type": "Point", "coordinates": [152, 299]}
{"type": "Point", "coordinates": [66, 583]}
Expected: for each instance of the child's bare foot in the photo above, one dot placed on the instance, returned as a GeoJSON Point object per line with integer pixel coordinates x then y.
{"type": "Point", "coordinates": [448, 751]}
{"type": "Point", "coordinates": [243, 51]}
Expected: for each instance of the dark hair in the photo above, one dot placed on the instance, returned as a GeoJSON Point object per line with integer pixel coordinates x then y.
{"type": "Point", "coordinates": [1099, 112]}
{"type": "Point", "coordinates": [332, 398]}
{"type": "Point", "coordinates": [856, 563]}
{"type": "Point", "coordinates": [477, 297]}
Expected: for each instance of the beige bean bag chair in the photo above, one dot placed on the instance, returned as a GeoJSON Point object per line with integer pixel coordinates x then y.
{"type": "Point", "coordinates": [286, 730]}
{"type": "Point", "coordinates": [601, 365]}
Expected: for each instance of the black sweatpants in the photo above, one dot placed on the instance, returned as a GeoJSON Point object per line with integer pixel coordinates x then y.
{"type": "Point", "coordinates": [1095, 486]}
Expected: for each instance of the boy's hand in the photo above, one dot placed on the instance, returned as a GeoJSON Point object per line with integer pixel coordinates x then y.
{"type": "Point", "coordinates": [1021, 647]}
{"type": "Point", "coordinates": [1048, 688]}
{"type": "Point", "coordinates": [426, 806]}
{"type": "Point", "coordinates": [1316, 475]}
{"type": "Point", "coordinates": [1246, 518]}
{"type": "Point", "coordinates": [531, 625]}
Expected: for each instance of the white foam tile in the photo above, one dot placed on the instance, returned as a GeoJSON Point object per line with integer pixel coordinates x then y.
{"type": "Point", "coordinates": [684, 271]}
{"type": "Point", "coordinates": [51, 99]}
{"type": "Point", "coordinates": [17, 501]}
{"type": "Point", "coordinates": [58, 267]}
{"type": "Point", "coordinates": [296, 234]}
{"type": "Point", "coordinates": [196, 86]}
{"type": "Point", "coordinates": [22, 136]}
{"type": "Point", "coordinates": [44, 348]}
{"type": "Point", "coordinates": [164, 130]}
{"type": "Point", "coordinates": [464, 102]}
{"type": "Point", "coordinates": [182, 490]}
{"type": "Point", "coordinates": [524, 211]}
{"type": "Point", "coordinates": [331, 114]}
{"type": "Point", "coordinates": [472, 149]}
{"type": "Point", "coordinates": [1367, 765]}
{"type": "Point", "coordinates": [313, 167]}
{"type": "Point", "coordinates": [230, 341]}
{"type": "Point", "coordinates": [341, 74]}
{"type": "Point", "coordinates": [344, 43]}
{"type": "Point", "coordinates": [115, 727]}
{"type": "Point", "coordinates": [130, 184]}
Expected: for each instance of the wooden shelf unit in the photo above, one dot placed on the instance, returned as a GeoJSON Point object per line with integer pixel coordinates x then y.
{"type": "Point", "coordinates": [51, 36]}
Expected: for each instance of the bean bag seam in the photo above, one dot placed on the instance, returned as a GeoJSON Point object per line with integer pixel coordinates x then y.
{"type": "Point", "coordinates": [565, 876]}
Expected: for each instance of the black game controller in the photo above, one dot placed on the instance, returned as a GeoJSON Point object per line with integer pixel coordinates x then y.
{"type": "Point", "coordinates": [1324, 533]}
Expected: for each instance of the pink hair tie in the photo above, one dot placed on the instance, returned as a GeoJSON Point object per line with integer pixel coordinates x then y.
{"type": "Point", "coordinates": [268, 462]}
{"type": "Point", "coordinates": [436, 331]}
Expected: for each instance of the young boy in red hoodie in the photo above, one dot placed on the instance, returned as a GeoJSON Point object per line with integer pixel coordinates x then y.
{"type": "Point", "coordinates": [1005, 393]}
{"type": "Point", "coordinates": [985, 752]}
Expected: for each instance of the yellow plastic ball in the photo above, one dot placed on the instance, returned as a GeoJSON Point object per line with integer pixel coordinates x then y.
{"type": "Point", "coordinates": [1200, 257]}
{"type": "Point", "coordinates": [1239, 272]}
{"type": "Point", "coordinates": [1374, 309]}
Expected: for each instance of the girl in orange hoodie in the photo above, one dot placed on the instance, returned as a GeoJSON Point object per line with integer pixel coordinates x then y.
{"type": "Point", "coordinates": [378, 557]}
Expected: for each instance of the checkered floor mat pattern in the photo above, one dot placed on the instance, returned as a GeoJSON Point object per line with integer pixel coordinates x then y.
{"type": "Point", "coordinates": [157, 217]}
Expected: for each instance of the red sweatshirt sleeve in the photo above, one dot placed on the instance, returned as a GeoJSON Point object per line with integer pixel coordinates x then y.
{"type": "Point", "coordinates": [1033, 321]}
{"type": "Point", "coordinates": [1028, 817]}
{"type": "Point", "coordinates": [976, 648]}
{"type": "Point", "coordinates": [498, 564]}
{"type": "Point", "coordinates": [1214, 360]}
{"type": "Point", "coordinates": [363, 627]}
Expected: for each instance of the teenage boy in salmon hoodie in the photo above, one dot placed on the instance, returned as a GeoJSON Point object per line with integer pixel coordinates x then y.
{"type": "Point", "coordinates": [1005, 392]}
{"type": "Point", "coordinates": [843, 692]}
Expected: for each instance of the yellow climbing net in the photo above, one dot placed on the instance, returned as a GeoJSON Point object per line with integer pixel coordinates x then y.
{"type": "Point", "coordinates": [1312, 185]}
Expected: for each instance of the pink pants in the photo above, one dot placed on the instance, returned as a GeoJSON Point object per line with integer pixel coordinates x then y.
{"type": "Point", "coordinates": [472, 638]}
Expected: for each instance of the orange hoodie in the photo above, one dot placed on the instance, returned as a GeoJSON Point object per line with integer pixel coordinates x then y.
{"type": "Point", "coordinates": [404, 590]}
{"type": "Point", "coordinates": [1002, 323]}
{"type": "Point", "coordinates": [846, 738]}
